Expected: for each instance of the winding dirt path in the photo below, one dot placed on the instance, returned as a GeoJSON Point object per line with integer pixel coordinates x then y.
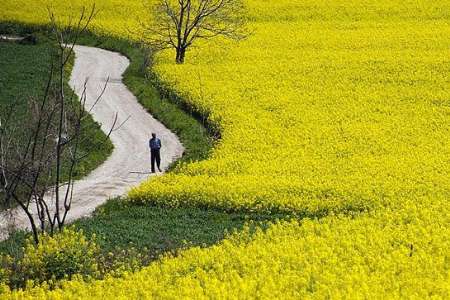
{"type": "Point", "coordinates": [129, 163]}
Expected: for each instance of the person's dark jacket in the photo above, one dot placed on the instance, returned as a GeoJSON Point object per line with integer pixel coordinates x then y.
{"type": "Point", "coordinates": [155, 144]}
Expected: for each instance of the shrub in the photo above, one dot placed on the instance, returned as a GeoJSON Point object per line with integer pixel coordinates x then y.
{"type": "Point", "coordinates": [67, 255]}
{"type": "Point", "coordinates": [57, 257]}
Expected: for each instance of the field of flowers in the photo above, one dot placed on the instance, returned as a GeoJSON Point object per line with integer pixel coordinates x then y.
{"type": "Point", "coordinates": [340, 106]}
{"type": "Point", "coordinates": [328, 109]}
{"type": "Point", "coordinates": [387, 254]}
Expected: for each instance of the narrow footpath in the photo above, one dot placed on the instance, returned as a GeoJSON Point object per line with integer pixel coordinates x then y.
{"type": "Point", "coordinates": [129, 163]}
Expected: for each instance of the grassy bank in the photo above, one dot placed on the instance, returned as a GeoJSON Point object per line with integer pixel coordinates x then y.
{"type": "Point", "coordinates": [25, 72]}
{"type": "Point", "coordinates": [158, 230]}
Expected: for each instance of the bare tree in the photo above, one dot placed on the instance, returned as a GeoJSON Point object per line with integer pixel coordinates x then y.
{"type": "Point", "coordinates": [178, 24]}
{"type": "Point", "coordinates": [39, 156]}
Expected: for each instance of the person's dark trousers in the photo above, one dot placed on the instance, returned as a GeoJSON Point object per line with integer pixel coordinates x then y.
{"type": "Point", "coordinates": [156, 157]}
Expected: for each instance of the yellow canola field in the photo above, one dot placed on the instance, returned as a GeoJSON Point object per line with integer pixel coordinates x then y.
{"type": "Point", "coordinates": [329, 107]}
{"type": "Point", "coordinates": [387, 255]}
{"type": "Point", "coordinates": [338, 106]}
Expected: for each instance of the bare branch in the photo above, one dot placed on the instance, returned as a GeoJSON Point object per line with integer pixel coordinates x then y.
{"type": "Point", "coordinates": [34, 155]}
{"type": "Point", "coordinates": [178, 24]}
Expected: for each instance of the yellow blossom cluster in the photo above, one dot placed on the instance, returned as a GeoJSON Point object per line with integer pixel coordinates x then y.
{"type": "Point", "coordinates": [328, 108]}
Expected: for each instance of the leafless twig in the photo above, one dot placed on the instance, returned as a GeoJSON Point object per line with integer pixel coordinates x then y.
{"type": "Point", "coordinates": [178, 24]}
{"type": "Point", "coordinates": [38, 158]}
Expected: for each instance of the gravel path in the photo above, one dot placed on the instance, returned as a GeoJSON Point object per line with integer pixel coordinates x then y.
{"type": "Point", "coordinates": [129, 163]}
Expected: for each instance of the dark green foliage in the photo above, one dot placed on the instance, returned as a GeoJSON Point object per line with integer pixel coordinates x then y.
{"type": "Point", "coordinates": [120, 224]}
{"type": "Point", "coordinates": [13, 245]}
{"type": "Point", "coordinates": [24, 70]}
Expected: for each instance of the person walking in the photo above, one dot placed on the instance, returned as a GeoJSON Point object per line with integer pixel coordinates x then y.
{"type": "Point", "coordinates": [155, 152]}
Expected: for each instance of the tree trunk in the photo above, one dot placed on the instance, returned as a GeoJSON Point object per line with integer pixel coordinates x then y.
{"type": "Point", "coordinates": [181, 54]}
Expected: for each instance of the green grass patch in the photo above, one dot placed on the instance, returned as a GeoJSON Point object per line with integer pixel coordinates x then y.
{"type": "Point", "coordinates": [24, 74]}
{"type": "Point", "coordinates": [119, 224]}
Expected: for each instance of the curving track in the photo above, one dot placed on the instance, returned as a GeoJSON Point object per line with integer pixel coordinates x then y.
{"type": "Point", "coordinates": [129, 163]}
